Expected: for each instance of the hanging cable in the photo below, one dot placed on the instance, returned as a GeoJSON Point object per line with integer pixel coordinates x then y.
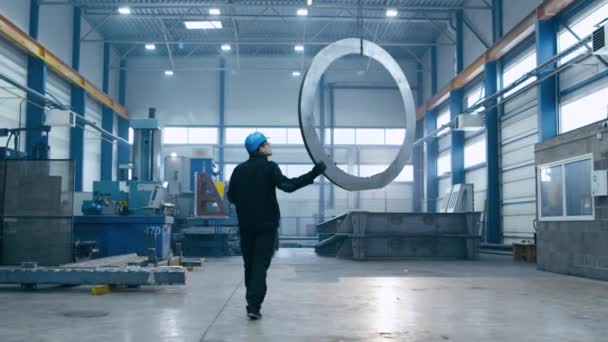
{"type": "Point", "coordinates": [360, 12]}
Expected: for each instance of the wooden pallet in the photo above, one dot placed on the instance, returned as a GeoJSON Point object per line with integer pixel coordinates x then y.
{"type": "Point", "coordinates": [524, 251]}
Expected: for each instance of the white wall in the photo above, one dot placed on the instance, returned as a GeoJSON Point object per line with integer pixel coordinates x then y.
{"type": "Point", "coordinates": [446, 59]}
{"type": "Point", "coordinates": [481, 20]}
{"type": "Point", "coordinates": [91, 55]}
{"type": "Point", "coordinates": [17, 11]}
{"type": "Point", "coordinates": [56, 29]}
{"type": "Point", "coordinates": [515, 10]}
{"type": "Point", "coordinates": [188, 98]}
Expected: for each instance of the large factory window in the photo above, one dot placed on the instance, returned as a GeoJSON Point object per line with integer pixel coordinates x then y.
{"type": "Point", "coordinates": [394, 136]}
{"type": "Point", "coordinates": [131, 135]}
{"type": "Point", "coordinates": [473, 96]}
{"type": "Point", "coordinates": [369, 136]}
{"type": "Point", "coordinates": [294, 136]}
{"type": "Point", "coordinates": [237, 135]}
{"type": "Point", "coordinates": [175, 135]}
{"type": "Point", "coordinates": [406, 175]}
{"type": "Point", "coordinates": [444, 163]}
{"type": "Point", "coordinates": [516, 69]}
{"type": "Point", "coordinates": [475, 151]}
{"type": "Point", "coordinates": [190, 135]}
{"type": "Point", "coordinates": [581, 26]}
{"type": "Point", "coordinates": [202, 135]}
{"type": "Point", "coordinates": [443, 118]}
{"type": "Point", "coordinates": [278, 136]}
{"type": "Point", "coordinates": [583, 110]}
{"type": "Point", "coordinates": [565, 190]}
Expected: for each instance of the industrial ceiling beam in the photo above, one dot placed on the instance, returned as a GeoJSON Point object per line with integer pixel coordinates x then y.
{"type": "Point", "coordinates": [255, 42]}
{"type": "Point", "coordinates": [276, 3]}
{"type": "Point", "coordinates": [273, 17]}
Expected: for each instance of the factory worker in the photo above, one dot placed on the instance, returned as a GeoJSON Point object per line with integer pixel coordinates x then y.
{"type": "Point", "coordinates": [252, 189]}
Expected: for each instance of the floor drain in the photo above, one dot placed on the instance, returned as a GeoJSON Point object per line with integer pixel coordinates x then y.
{"type": "Point", "coordinates": [85, 314]}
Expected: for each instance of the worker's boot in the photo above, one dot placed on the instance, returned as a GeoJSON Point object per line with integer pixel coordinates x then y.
{"type": "Point", "coordinates": [253, 314]}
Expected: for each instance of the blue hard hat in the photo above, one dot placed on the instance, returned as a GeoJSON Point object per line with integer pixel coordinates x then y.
{"type": "Point", "coordinates": [254, 141]}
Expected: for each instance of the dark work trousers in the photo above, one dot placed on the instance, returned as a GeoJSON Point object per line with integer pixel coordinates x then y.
{"type": "Point", "coordinates": [257, 249]}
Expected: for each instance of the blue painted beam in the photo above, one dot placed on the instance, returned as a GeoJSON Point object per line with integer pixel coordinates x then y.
{"type": "Point", "coordinates": [419, 83]}
{"type": "Point", "coordinates": [493, 227]}
{"type": "Point", "coordinates": [433, 70]}
{"type": "Point", "coordinates": [107, 119]}
{"type": "Point", "coordinates": [430, 125]}
{"type": "Point", "coordinates": [496, 20]}
{"type": "Point", "coordinates": [222, 117]}
{"type": "Point", "coordinates": [546, 48]}
{"type": "Point", "coordinates": [124, 150]}
{"type": "Point", "coordinates": [456, 98]}
{"type": "Point", "coordinates": [459, 42]}
{"type": "Point", "coordinates": [36, 139]}
{"type": "Point", "coordinates": [418, 168]}
{"type": "Point", "coordinates": [78, 106]}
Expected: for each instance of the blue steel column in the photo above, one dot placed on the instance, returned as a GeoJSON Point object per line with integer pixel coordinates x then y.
{"type": "Point", "coordinates": [36, 140]}
{"type": "Point", "coordinates": [496, 20]}
{"type": "Point", "coordinates": [433, 70]}
{"type": "Point", "coordinates": [418, 168]}
{"type": "Point", "coordinates": [493, 220]}
{"type": "Point", "coordinates": [322, 139]}
{"type": "Point", "coordinates": [107, 119]}
{"type": "Point", "coordinates": [546, 48]}
{"type": "Point", "coordinates": [457, 138]}
{"type": "Point", "coordinates": [430, 124]}
{"type": "Point", "coordinates": [222, 117]}
{"type": "Point", "coordinates": [78, 106]}
{"type": "Point", "coordinates": [459, 65]}
{"type": "Point", "coordinates": [124, 150]}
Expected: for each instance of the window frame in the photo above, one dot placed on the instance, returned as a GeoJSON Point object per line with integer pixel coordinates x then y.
{"type": "Point", "coordinates": [564, 217]}
{"type": "Point", "coordinates": [527, 50]}
{"type": "Point", "coordinates": [480, 138]}
{"type": "Point", "coordinates": [584, 92]}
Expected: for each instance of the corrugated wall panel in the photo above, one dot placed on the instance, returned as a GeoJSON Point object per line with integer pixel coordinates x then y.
{"type": "Point", "coordinates": [478, 178]}
{"type": "Point", "coordinates": [59, 137]}
{"type": "Point", "coordinates": [13, 64]}
{"type": "Point", "coordinates": [92, 146]}
{"type": "Point", "coordinates": [443, 191]}
{"type": "Point", "coordinates": [519, 133]}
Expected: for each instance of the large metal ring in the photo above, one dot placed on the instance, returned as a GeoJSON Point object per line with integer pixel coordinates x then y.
{"type": "Point", "coordinates": [308, 92]}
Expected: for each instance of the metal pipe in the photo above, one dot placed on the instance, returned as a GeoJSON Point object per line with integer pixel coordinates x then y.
{"type": "Point", "coordinates": [60, 106]}
{"type": "Point", "coordinates": [508, 98]}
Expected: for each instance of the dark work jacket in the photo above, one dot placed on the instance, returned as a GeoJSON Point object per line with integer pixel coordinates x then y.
{"type": "Point", "coordinates": [252, 189]}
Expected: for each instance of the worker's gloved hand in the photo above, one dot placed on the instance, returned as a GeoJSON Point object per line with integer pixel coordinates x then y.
{"type": "Point", "coordinates": [319, 168]}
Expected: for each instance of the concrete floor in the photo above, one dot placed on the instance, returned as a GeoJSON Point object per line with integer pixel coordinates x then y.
{"type": "Point", "coordinates": [321, 300]}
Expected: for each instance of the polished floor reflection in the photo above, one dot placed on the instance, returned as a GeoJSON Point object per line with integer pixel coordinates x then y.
{"type": "Point", "coordinates": [323, 299]}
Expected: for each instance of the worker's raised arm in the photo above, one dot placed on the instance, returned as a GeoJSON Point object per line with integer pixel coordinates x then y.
{"type": "Point", "coordinates": [293, 184]}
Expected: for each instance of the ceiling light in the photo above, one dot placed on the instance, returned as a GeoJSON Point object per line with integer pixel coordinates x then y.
{"type": "Point", "coordinates": [203, 25]}
{"type": "Point", "coordinates": [124, 10]}
{"type": "Point", "coordinates": [150, 46]}
{"type": "Point", "coordinates": [309, 2]}
{"type": "Point", "coordinates": [226, 47]}
{"type": "Point", "coordinates": [169, 73]}
{"type": "Point", "coordinates": [391, 12]}
{"type": "Point", "coordinates": [302, 12]}
{"type": "Point", "coordinates": [299, 48]}
{"type": "Point", "coordinates": [173, 155]}
{"type": "Point", "coordinates": [214, 11]}
{"type": "Point", "coordinates": [296, 74]}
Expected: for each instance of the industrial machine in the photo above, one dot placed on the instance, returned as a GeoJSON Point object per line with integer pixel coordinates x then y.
{"type": "Point", "coordinates": [137, 217]}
